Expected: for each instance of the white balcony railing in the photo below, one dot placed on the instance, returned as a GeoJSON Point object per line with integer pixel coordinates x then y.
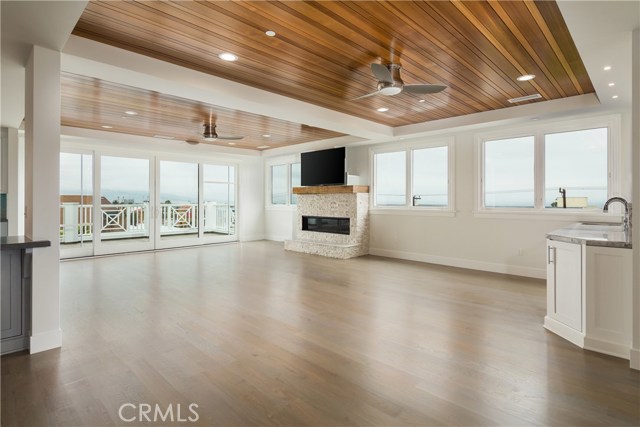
{"type": "Point", "coordinates": [122, 221]}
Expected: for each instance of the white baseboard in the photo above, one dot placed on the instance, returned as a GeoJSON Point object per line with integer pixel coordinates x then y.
{"type": "Point", "coordinates": [634, 358]}
{"type": "Point", "coordinates": [564, 331]}
{"type": "Point", "coordinates": [517, 270]}
{"type": "Point", "coordinates": [45, 341]}
{"type": "Point", "coordinates": [277, 238]}
{"type": "Point", "coordinates": [251, 238]}
{"type": "Point", "coordinates": [605, 347]}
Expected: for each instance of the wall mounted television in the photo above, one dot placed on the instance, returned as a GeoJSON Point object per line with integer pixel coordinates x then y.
{"type": "Point", "coordinates": [323, 167]}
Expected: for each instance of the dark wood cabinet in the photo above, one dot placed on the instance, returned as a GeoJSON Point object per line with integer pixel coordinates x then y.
{"type": "Point", "coordinates": [15, 296]}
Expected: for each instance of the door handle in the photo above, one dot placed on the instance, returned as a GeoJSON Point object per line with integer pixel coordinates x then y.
{"type": "Point", "coordinates": [416, 198]}
{"type": "Point", "coordinates": [550, 250]}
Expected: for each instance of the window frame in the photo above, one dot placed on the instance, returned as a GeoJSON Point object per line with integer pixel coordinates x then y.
{"type": "Point", "coordinates": [539, 131]}
{"type": "Point", "coordinates": [408, 149]}
{"type": "Point", "coordinates": [280, 161]}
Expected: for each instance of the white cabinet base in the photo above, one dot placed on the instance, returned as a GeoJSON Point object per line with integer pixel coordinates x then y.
{"type": "Point", "coordinates": [589, 296]}
{"type": "Point", "coordinates": [566, 332]}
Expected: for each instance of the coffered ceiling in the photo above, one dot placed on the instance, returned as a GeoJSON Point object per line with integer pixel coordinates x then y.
{"type": "Point", "coordinates": [321, 54]}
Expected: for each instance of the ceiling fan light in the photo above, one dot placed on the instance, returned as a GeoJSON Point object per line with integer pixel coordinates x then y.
{"type": "Point", "coordinates": [390, 90]}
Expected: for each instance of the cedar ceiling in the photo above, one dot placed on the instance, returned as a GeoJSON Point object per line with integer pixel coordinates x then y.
{"type": "Point", "coordinates": [92, 103]}
{"type": "Point", "coordinates": [322, 51]}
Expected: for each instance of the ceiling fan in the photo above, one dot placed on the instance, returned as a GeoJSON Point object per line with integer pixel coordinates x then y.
{"type": "Point", "coordinates": [209, 134]}
{"type": "Point", "coordinates": [390, 83]}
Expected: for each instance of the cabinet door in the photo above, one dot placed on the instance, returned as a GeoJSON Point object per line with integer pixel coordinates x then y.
{"type": "Point", "coordinates": [564, 283]}
{"type": "Point", "coordinates": [608, 298]}
{"type": "Point", "coordinates": [11, 296]}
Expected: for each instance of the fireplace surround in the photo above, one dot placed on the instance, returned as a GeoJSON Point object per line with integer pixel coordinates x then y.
{"type": "Point", "coordinates": [332, 221]}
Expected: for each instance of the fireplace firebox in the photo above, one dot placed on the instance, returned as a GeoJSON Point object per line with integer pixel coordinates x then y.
{"type": "Point", "coordinates": [325, 224]}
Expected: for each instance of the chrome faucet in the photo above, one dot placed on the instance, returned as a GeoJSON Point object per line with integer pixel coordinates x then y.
{"type": "Point", "coordinates": [627, 210]}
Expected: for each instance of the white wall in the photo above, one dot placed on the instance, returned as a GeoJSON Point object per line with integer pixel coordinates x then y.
{"type": "Point", "coordinates": [635, 352]}
{"type": "Point", "coordinates": [42, 201]}
{"type": "Point", "coordinates": [16, 178]}
{"type": "Point", "coordinates": [514, 245]}
{"type": "Point", "coordinates": [250, 199]}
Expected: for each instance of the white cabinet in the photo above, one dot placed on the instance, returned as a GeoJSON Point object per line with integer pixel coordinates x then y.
{"type": "Point", "coordinates": [608, 300]}
{"type": "Point", "coordinates": [589, 296]}
{"type": "Point", "coordinates": [565, 290]}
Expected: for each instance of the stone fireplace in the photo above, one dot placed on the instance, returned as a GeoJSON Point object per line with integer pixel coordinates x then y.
{"type": "Point", "coordinates": [332, 221]}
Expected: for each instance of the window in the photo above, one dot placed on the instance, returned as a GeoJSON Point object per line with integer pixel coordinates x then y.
{"type": "Point", "coordinates": [219, 199]}
{"type": "Point", "coordinates": [391, 179]}
{"type": "Point", "coordinates": [430, 177]}
{"type": "Point", "coordinates": [295, 181]}
{"type": "Point", "coordinates": [566, 167]}
{"type": "Point", "coordinates": [576, 162]}
{"type": "Point", "coordinates": [279, 184]}
{"type": "Point", "coordinates": [283, 178]}
{"type": "Point", "coordinates": [416, 176]}
{"type": "Point", "coordinates": [509, 173]}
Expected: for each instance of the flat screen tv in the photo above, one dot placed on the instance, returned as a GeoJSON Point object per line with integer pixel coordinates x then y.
{"type": "Point", "coordinates": [323, 167]}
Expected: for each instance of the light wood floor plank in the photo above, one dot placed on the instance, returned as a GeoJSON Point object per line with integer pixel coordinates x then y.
{"type": "Point", "coordinates": [257, 336]}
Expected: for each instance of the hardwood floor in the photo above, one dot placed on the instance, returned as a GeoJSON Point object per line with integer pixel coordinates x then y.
{"type": "Point", "coordinates": [256, 336]}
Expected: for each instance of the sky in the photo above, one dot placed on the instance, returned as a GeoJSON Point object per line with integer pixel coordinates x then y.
{"type": "Point", "coordinates": [129, 178]}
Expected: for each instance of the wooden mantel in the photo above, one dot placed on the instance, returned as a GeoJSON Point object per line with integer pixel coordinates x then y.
{"type": "Point", "coordinates": [331, 189]}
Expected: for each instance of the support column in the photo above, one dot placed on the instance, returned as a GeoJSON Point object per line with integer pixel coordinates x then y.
{"type": "Point", "coordinates": [15, 191]}
{"type": "Point", "coordinates": [42, 163]}
{"type": "Point", "coordinates": [635, 153]}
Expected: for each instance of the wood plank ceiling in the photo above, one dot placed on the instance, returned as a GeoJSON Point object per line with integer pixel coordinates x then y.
{"type": "Point", "coordinates": [322, 51]}
{"type": "Point", "coordinates": [96, 104]}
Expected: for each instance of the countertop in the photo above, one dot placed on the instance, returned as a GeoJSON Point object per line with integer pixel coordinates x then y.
{"type": "Point", "coordinates": [593, 234]}
{"type": "Point", "coordinates": [21, 242]}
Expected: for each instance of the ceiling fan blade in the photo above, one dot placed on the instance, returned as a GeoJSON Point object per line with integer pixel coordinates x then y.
{"type": "Point", "coordinates": [382, 73]}
{"type": "Point", "coordinates": [423, 89]}
{"type": "Point", "coordinates": [231, 138]}
{"type": "Point", "coordinates": [192, 141]}
{"type": "Point", "coordinates": [365, 96]}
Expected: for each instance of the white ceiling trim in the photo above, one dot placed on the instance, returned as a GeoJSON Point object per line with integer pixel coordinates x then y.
{"type": "Point", "coordinates": [601, 31]}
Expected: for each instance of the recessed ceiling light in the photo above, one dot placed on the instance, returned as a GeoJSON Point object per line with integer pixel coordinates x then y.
{"type": "Point", "coordinates": [266, 135]}
{"type": "Point", "coordinates": [383, 109]}
{"type": "Point", "coordinates": [422, 100]}
{"type": "Point", "coordinates": [615, 97]}
{"type": "Point", "coordinates": [107, 127]}
{"type": "Point", "coordinates": [163, 136]}
{"type": "Point", "coordinates": [232, 143]}
{"type": "Point", "coordinates": [226, 56]}
{"type": "Point", "coordinates": [270, 33]}
{"type": "Point", "coordinates": [260, 147]}
{"type": "Point", "coordinates": [525, 77]}
{"type": "Point", "coordinates": [612, 84]}
{"type": "Point", "coordinates": [131, 113]}
{"type": "Point", "coordinates": [607, 68]}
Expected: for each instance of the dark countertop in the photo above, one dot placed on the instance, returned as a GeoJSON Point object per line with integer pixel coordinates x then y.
{"type": "Point", "coordinates": [592, 234]}
{"type": "Point", "coordinates": [21, 242]}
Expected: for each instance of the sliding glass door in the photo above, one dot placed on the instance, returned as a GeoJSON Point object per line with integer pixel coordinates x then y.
{"type": "Point", "coordinates": [178, 204]}
{"type": "Point", "coordinates": [219, 200]}
{"type": "Point", "coordinates": [76, 204]}
{"type": "Point", "coordinates": [123, 212]}
{"type": "Point", "coordinates": [144, 203]}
